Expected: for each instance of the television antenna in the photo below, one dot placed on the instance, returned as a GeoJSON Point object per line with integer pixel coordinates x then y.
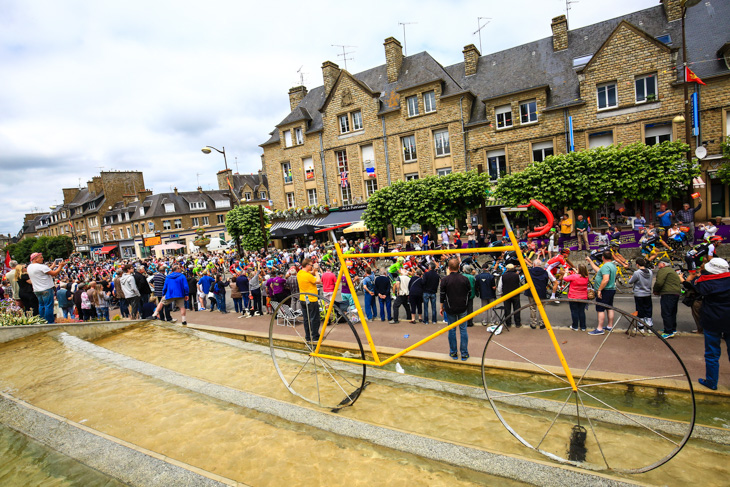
{"type": "Point", "coordinates": [480, 26]}
{"type": "Point", "coordinates": [197, 174]}
{"type": "Point", "coordinates": [568, 4]}
{"type": "Point", "coordinates": [301, 75]}
{"type": "Point", "coordinates": [345, 53]}
{"type": "Point", "coordinates": [405, 43]}
{"type": "Point", "coordinates": [236, 164]}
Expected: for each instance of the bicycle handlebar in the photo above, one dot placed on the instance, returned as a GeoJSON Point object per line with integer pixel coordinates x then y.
{"type": "Point", "coordinates": [542, 230]}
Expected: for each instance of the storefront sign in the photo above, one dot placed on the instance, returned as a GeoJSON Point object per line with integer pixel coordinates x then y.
{"type": "Point", "coordinates": [149, 242]}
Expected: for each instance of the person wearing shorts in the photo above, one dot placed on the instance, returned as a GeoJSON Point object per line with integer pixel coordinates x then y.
{"type": "Point", "coordinates": [605, 285]}
{"type": "Point", "coordinates": [174, 291]}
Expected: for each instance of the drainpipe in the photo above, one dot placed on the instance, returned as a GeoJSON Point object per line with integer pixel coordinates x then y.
{"type": "Point", "coordinates": [467, 159]}
{"type": "Point", "coordinates": [324, 171]}
{"type": "Point", "coordinates": [385, 147]}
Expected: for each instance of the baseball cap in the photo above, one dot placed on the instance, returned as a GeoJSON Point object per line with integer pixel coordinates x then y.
{"type": "Point", "coordinates": [717, 266]}
{"type": "Point", "coordinates": [34, 255]}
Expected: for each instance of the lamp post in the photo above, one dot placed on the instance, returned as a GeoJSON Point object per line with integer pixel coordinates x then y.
{"type": "Point", "coordinates": [207, 148]}
{"type": "Point", "coordinates": [687, 133]}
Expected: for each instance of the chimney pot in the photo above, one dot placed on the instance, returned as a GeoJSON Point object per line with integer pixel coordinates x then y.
{"type": "Point", "coordinates": [672, 9]}
{"type": "Point", "coordinates": [471, 59]}
{"type": "Point", "coordinates": [393, 58]}
{"type": "Point", "coordinates": [296, 95]}
{"type": "Point", "coordinates": [560, 33]}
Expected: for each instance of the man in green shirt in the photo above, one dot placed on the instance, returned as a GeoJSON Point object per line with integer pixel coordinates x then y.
{"type": "Point", "coordinates": [605, 286]}
{"type": "Point", "coordinates": [467, 272]}
{"type": "Point", "coordinates": [581, 230]}
{"type": "Point", "coordinates": [669, 288]}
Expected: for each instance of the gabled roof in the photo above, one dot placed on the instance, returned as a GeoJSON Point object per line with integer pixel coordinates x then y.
{"type": "Point", "coordinates": [636, 30]}
{"type": "Point", "coordinates": [298, 114]}
{"type": "Point", "coordinates": [340, 77]}
{"type": "Point", "coordinates": [257, 182]}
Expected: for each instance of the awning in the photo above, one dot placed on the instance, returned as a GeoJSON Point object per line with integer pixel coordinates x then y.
{"type": "Point", "coordinates": [495, 203]}
{"type": "Point", "coordinates": [291, 228]}
{"type": "Point", "coordinates": [341, 217]}
{"type": "Point", "coordinates": [107, 249]}
{"type": "Point", "coordinates": [356, 227]}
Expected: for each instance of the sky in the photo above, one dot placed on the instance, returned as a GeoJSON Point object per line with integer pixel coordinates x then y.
{"type": "Point", "coordinates": [89, 86]}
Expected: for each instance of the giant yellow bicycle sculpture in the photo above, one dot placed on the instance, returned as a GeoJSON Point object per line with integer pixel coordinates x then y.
{"type": "Point", "coordinates": [578, 415]}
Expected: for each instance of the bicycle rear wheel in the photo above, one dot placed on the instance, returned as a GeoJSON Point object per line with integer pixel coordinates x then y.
{"type": "Point", "coordinates": [325, 382]}
{"type": "Point", "coordinates": [628, 414]}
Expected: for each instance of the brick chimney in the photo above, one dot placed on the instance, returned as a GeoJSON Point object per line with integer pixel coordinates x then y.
{"type": "Point", "coordinates": [471, 59]}
{"type": "Point", "coordinates": [200, 189]}
{"type": "Point", "coordinates": [175, 190]}
{"type": "Point", "coordinates": [393, 58]}
{"type": "Point", "coordinates": [560, 33]}
{"type": "Point", "coordinates": [69, 194]}
{"type": "Point", "coordinates": [128, 199]}
{"type": "Point", "coordinates": [330, 72]}
{"type": "Point", "coordinates": [144, 193]}
{"type": "Point", "coordinates": [672, 9]}
{"type": "Point", "coordinates": [296, 95]}
{"type": "Point", "coordinates": [222, 175]}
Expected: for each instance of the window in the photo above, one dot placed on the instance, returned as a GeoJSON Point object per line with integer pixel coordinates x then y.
{"type": "Point", "coordinates": [290, 200]}
{"type": "Point", "coordinates": [93, 222]}
{"type": "Point", "coordinates": [262, 195]}
{"type": "Point", "coordinates": [221, 219]}
{"type": "Point", "coordinates": [344, 170]}
{"type": "Point", "coordinates": [541, 150]}
{"type": "Point", "coordinates": [445, 171]}
{"type": "Point", "coordinates": [412, 103]}
{"type": "Point", "coordinates": [92, 205]}
{"type": "Point", "coordinates": [247, 196]}
{"type": "Point", "coordinates": [645, 88]}
{"type": "Point", "coordinates": [528, 111]}
{"type": "Point", "coordinates": [409, 148]}
{"type": "Point", "coordinates": [178, 223]}
{"type": "Point", "coordinates": [344, 124]}
{"type": "Point", "coordinates": [308, 164]}
{"type": "Point", "coordinates": [356, 120]}
{"type": "Point", "coordinates": [656, 133]}
{"type": "Point", "coordinates": [166, 225]}
{"type": "Point", "coordinates": [196, 222]}
{"type": "Point", "coordinates": [136, 228]}
{"type": "Point", "coordinates": [222, 204]}
{"type": "Point", "coordinates": [286, 169]}
{"type": "Point", "coordinates": [411, 177]}
{"type": "Point", "coordinates": [503, 115]}
{"type": "Point", "coordinates": [63, 214]}
{"type": "Point", "coordinates": [141, 211]}
{"type": "Point", "coordinates": [287, 138]}
{"type": "Point", "coordinates": [497, 162]}
{"type": "Point", "coordinates": [169, 208]}
{"type": "Point", "coordinates": [429, 102]}
{"type": "Point", "coordinates": [205, 220]}
{"type": "Point", "coordinates": [581, 61]}
{"type": "Point", "coordinates": [441, 139]}
{"type": "Point", "coordinates": [600, 139]}
{"type": "Point", "coordinates": [151, 225]}
{"type": "Point", "coordinates": [197, 205]}
{"type": "Point", "coordinates": [606, 96]}
{"type": "Point", "coordinates": [95, 237]}
{"type": "Point", "coordinates": [299, 136]}
{"type": "Point", "coordinates": [312, 196]}
{"type": "Point", "coordinates": [371, 186]}
{"type": "Point", "coordinates": [666, 39]}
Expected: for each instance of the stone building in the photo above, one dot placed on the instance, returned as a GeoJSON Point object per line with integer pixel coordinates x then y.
{"type": "Point", "coordinates": [615, 82]}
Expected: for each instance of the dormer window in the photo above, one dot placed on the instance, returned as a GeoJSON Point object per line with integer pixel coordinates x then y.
{"type": "Point", "coordinates": [222, 204]}
{"type": "Point", "coordinates": [169, 207]}
{"type": "Point", "coordinates": [92, 205]}
{"type": "Point", "coordinates": [197, 205]}
{"type": "Point", "coordinates": [299, 136]}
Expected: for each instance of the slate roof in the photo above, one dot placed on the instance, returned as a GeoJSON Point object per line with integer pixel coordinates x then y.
{"type": "Point", "coordinates": [535, 64]}
{"type": "Point", "coordinates": [254, 181]}
{"type": "Point", "coordinates": [154, 205]}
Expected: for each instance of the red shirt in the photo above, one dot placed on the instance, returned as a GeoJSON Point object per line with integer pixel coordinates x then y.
{"type": "Point", "coordinates": [578, 286]}
{"type": "Point", "coordinates": [328, 282]}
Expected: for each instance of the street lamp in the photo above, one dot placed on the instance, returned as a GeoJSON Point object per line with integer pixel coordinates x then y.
{"type": "Point", "coordinates": [685, 5]}
{"type": "Point", "coordinates": [207, 148]}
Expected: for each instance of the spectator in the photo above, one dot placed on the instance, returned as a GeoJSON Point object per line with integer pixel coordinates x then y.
{"type": "Point", "coordinates": [605, 285]}
{"type": "Point", "coordinates": [254, 285]}
{"type": "Point", "coordinates": [566, 229]}
{"type": "Point", "coordinates": [158, 282]}
{"type": "Point", "coordinates": [242, 286]}
{"type": "Point", "coordinates": [13, 277]}
{"type": "Point", "coordinates": [400, 291]}
{"type": "Point", "coordinates": [85, 303]}
{"type": "Point", "coordinates": [641, 280]}
{"type": "Point", "coordinates": [192, 302]}
{"type": "Point", "coordinates": [174, 291]}
{"type": "Point", "coordinates": [148, 308]}
{"type": "Point", "coordinates": [686, 216]}
{"type": "Point", "coordinates": [445, 238]}
{"type": "Point", "coordinates": [714, 287]}
{"type": "Point", "coordinates": [415, 295]}
{"type": "Point", "coordinates": [485, 288]}
{"type": "Point", "coordinates": [552, 245]}
{"type": "Point", "coordinates": [101, 302]}
{"type": "Point", "coordinates": [471, 238]}
{"type": "Point", "coordinates": [307, 280]}
{"type": "Point", "coordinates": [119, 294]}
{"type": "Point", "coordinates": [540, 279]}
{"type": "Point", "coordinates": [509, 282]}
{"type": "Point", "coordinates": [669, 288]}
{"type": "Point", "coordinates": [236, 296]}
{"type": "Point", "coordinates": [431, 281]}
{"type": "Point", "coordinates": [581, 231]}
{"type": "Point", "coordinates": [469, 274]}
{"type": "Point", "coordinates": [346, 291]}
{"type": "Point", "coordinates": [204, 284]}
{"type": "Point", "coordinates": [455, 289]}
{"type": "Point", "coordinates": [41, 277]}
{"type": "Point", "coordinates": [664, 216]}
{"type": "Point", "coordinates": [368, 288]}
{"type": "Point", "coordinates": [131, 292]}
{"type": "Point", "coordinates": [329, 279]}
{"type": "Point", "coordinates": [65, 301]}
{"type": "Point", "coordinates": [219, 289]}
{"type": "Point", "coordinates": [709, 229]}
{"type": "Point", "coordinates": [276, 287]}
{"type": "Point", "coordinates": [578, 290]}
{"type": "Point", "coordinates": [292, 285]}
{"type": "Point", "coordinates": [639, 222]}
{"type": "Point", "coordinates": [142, 285]}
{"type": "Point", "coordinates": [382, 289]}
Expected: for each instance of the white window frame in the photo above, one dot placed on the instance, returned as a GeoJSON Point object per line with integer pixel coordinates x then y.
{"type": "Point", "coordinates": [166, 225]}
{"type": "Point", "coordinates": [371, 186]}
{"type": "Point", "coordinates": [356, 120]}
{"type": "Point", "coordinates": [606, 88]}
{"type": "Point", "coordinates": [221, 219]}
{"type": "Point", "coordinates": [496, 154]}
{"type": "Point", "coordinates": [429, 101]}
{"type": "Point", "coordinates": [298, 136]}
{"type": "Point", "coordinates": [645, 84]}
{"type": "Point", "coordinates": [290, 200]}
{"type": "Point", "coordinates": [441, 142]}
{"type": "Point", "coordinates": [344, 121]}
{"type": "Point", "coordinates": [196, 221]}
{"type": "Point", "coordinates": [285, 170]}
{"type": "Point", "coordinates": [411, 176]}
{"type": "Point", "coordinates": [410, 151]}
{"type": "Point", "coordinates": [198, 205]}
{"type": "Point", "coordinates": [177, 223]}
{"type": "Point", "coordinates": [525, 107]}
{"type": "Point", "coordinates": [412, 105]}
{"type": "Point", "coordinates": [169, 207]}
{"type": "Point", "coordinates": [205, 220]}
{"type": "Point", "coordinates": [659, 131]}
{"type": "Point", "coordinates": [602, 134]}
{"type": "Point", "coordinates": [287, 138]}
{"type": "Point", "coordinates": [92, 205]}
{"type": "Point", "coordinates": [500, 115]}
{"type": "Point", "coordinates": [262, 195]}
{"type": "Point", "coordinates": [247, 196]}
{"type": "Point", "coordinates": [444, 171]}
{"type": "Point", "coordinates": [312, 197]}
{"type": "Point", "coordinates": [308, 163]}
{"type": "Point", "coordinates": [542, 147]}
{"type": "Point", "coordinates": [222, 204]}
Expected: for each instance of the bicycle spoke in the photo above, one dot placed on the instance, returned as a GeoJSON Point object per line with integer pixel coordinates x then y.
{"type": "Point", "coordinates": [300, 371]}
{"type": "Point", "coordinates": [531, 362]}
{"type": "Point", "coordinates": [554, 420]}
{"type": "Point", "coordinates": [628, 381]}
{"type": "Point", "coordinates": [595, 436]}
{"type": "Point", "coordinates": [336, 381]}
{"type": "Point", "coordinates": [529, 393]}
{"type": "Point", "coordinates": [594, 358]}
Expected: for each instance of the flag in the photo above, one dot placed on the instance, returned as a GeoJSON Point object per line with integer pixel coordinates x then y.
{"type": "Point", "coordinates": [343, 178]}
{"type": "Point", "coordinates": [690, 77]}
{"type": "Point", "coordinates": [6, 266]}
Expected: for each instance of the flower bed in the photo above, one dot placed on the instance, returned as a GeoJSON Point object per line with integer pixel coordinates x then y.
{"type": "Point", "coordinates": [12, 315]}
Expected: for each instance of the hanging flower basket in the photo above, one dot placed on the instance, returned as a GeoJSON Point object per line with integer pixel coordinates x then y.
{"type": "Point", "coordinates": [201, 242]}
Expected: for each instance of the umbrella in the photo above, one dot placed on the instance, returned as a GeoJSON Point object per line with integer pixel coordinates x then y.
{"type": "Point", "coordinates": [168, 246]}
{"type": "Point", "coordinates": [356, 227]}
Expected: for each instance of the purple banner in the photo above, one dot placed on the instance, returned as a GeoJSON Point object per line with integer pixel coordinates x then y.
{"type": "Point", "coordinates": [630, 238]}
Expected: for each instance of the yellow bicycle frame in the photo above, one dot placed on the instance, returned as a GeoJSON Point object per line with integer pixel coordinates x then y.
{"type": "Point", "coordinates": [376, 360]}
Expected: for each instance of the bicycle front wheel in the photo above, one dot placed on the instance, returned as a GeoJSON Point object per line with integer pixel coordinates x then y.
{"type": "Point", "coordinates": [326, 382]}
{"type": "Point", "coordinates": [633, 407]}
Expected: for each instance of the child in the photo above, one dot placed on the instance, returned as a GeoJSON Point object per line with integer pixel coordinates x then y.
{"type": "Point", "coordinates": [641, 279]}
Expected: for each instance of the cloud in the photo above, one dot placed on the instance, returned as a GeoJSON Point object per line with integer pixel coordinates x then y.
{"type": "Point", "coordinates": [144, 85]}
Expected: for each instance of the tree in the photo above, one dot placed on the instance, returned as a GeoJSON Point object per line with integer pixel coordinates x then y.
{"type": "Point", "coordinates": [431, 201]}
{"type": "Point", "coordinates": [243, 222]}
{"type": "Point", "coordinates": [586, 179]}
{"type": "Point", "coordinates": [724, 172]}
{"type": "Point", "coordinates": [51, 247]}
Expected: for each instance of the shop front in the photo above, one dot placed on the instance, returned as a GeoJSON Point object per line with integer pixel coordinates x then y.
{"type": "Point", "coordinates": [126, 249]}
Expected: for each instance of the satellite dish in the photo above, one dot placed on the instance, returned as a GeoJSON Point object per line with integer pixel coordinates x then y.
{"type": "Point", "coordinates": [701, 152]}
